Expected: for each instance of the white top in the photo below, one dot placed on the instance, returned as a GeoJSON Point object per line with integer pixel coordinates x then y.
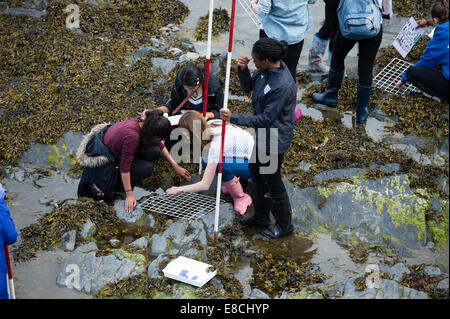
{"type": "Point", "coordinates": [238, 143]}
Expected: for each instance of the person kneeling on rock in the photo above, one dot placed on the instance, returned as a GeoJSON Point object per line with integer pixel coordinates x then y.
{"type": "Point", "coordinates": [236, 154]}
{"type": "Point", "coordinates": [130, 147]}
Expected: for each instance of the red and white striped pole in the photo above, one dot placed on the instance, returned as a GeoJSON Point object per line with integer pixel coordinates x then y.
{"type": "Point", "coordinates": [11, 291]}
{"type": "Point", "coordinates": [225, 106]}
{"type": "Point", "coordinates": [208, 62]}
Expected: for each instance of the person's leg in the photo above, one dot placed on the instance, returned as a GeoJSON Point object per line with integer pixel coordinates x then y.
{"type": "Point", "coordinates": [257, 187]}
{"type": "Point", "coordinates": [142, 166]}
{"type": "Point", "coordinates": [429, 81]}
{"type": "Point", "coordinates": [279, 204]}
{"type": "Point", "coordinates": [292, 57]}
{"type": "Point", "coordinates": [233, 186]}
{"type": "Point", "coordinates": [368, 49]}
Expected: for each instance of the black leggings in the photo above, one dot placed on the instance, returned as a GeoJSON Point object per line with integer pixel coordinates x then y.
{"type": "Point", "coordinates": [142, 166]}
{"type": "Point", "coordinates": [331, 24]}
{"type": "Point", "coordinates": [292, 57]}
{"type": "Point", "coordinates": [368, 49]}
{"type": "Point", "coordinates": [429, 81]}
{"type": "Point", "coordinates": [274, 180]}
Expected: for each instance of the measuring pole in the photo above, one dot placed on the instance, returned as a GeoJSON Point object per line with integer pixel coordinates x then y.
{"type": "Point", "coordinates": [208, 62]}
{"type": "Point", "coordinates": [11, 291]}
{"type": "Point", "coordinates": [225, 106]}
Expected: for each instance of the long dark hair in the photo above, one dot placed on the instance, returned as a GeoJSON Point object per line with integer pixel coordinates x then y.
{"type": "Point", "coordinates": [189, 75]}
{"type": "Point", "coordinates": [440, 10]}
{"type": "Point", "coordinates": [271, 49]}
{"type": "Point", "coordinates": [155, 125]}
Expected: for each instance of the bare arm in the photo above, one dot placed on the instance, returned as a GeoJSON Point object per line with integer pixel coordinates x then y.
{"type": "Point", "coordinates": [130, 201]}
{"type": "Point", "coordinates": [200, 186]}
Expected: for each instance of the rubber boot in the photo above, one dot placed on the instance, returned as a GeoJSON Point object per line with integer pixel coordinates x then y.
{"type": "Point", "coordinates": [241, 199]}
{"type": "Point", "coordinates": [298, 112]}
{"type": "Point", "coordinates": [316, 54]}
{"type": "Point", "coordinates": [330, 96]}
{"type": "Point", "coordinates": [362, 103]}
{"type": "Point", "coordinates": [282, 212]}
{"type": "Point", "coordinates": [260, 215]}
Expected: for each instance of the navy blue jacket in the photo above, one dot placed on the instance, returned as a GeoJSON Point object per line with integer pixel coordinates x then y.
{"type": "Point", "coordinates": [273, 104]}
{"type": "Point", "coordinates": [8, 236]}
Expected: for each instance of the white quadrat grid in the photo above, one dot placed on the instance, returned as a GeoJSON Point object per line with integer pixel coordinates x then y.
{"type": "Point", "coordinates": [187, 206]}
{"type": "Point", "coordinates": [391, 74]}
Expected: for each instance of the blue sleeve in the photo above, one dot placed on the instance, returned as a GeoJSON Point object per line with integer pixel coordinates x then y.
{"type": "Point", "coordinates": [428, 59]}
{"type": "Point", "coordinates": [7, 229]}
{"type": "Point", "coordinates": [274, 104]}
{"type": "Point", "coordinates": [264, 7]}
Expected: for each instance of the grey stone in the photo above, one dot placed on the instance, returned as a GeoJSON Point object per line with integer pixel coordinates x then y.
{"type": "Point", "coordinates": [140, 243]}
{"type": "Point", "coordinates": [432, 271]}
{"type": "Point", "coordinates": [165, 65]}
{"type": "Point", "coordinates": [338, 173]}
{"type": "Point", "coordinates": [176, 53]}
{"type": "Point", "coordinates": [123, 215]}
{"type": "Point", "coordinates": [443, 284]}
{"type": "Point", "coordinates": [135, 56]}
{"type": "Point", "coordinates": [200, 48]}
{"type": "Point", "coordinates": [258, 294]}
{"type": "Point", "coordinates": [247, 291]}
{"type": "Point", "coordinates": [226, 218]}
{"type": "Point", "coordinates": [19, 175]}
{"type": "Point", "coordinates": [398, 271]}
{"type": "Point", "coordinates": [188, 57]}
{"type": "Point", "coordinates": [88, 229]}
{"type": "Point", "coordinates": [304, 166]}
{"type": "Point", "coordinates": [86, 248]}
{"type": "Point", "coordinates": [150, 221]}
{"type": "Point", "coordinates": [69, 240]}
{"type": "Point", "coordinates": [29, 12]}
{"type": "Point", "coordinates": [115, 243]}
{"type": "Point", "coordinates": [158, 245]}
{"type": "Point", "coordinates": [155, 42]}
{"type": "Point", "coordinates": [154, 269]}
{"type": "Point", "coordinates": [444, 148]}
{"type": "Point", "coordinates": [46, 201]}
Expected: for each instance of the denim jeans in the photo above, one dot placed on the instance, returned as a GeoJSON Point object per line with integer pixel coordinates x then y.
{"type": "Point", "coordinates": [232, 167]}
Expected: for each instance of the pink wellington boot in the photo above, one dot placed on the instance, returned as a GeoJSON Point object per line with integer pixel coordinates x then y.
{"type": "Point", "coordinates": [298, 112]}
{"type": "Point", "coordinates": [241, 199]}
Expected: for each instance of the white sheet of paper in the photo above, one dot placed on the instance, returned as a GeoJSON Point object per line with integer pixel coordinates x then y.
{"type": "Point", "coordinates": [407, 37]}
{"type": "Point", "coordinates": [175, 119]}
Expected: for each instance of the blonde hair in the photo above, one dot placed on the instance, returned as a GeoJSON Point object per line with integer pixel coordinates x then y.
{"type": "Point", "coordinates": [207, 131]}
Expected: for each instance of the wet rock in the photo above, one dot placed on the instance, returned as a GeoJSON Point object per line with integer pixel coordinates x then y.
{"type": "Point", "coordinates": [412, 152]}
{"type": "Point", "coordinates": [200, 48]}
{"type": "Point", "coordinates": [226, 217]}
{"type": "Point", "coordinates": [176, 52]}
{"type": "Point", "coordinates": [115, 243]}
{"type": "Point", "coordinates": [29, 12]}
{"type": "Point", "coordinates": [304, 166]}
{"type": "Point", "coordinates": [60, 155]}
{"type": "Point", "coordinates": [303, 294]}
{"type": "Point", "coordinates": [338, 173]}
{"type": "Point", "coordinates": [140, 243]}
{"type": "Point", "coordinates": [382, 211]}
{"type": "Point", "coordinates": [95, 272]}
{"type": "Point", "coordinates": [88, 229]}
{"type": "Point", "coordinates": [122, 214]}
{"type": "Point", "coordinates": [86, 248]}
{"type": "Point", "coordinates": [154, 270]}
{"type": "Point", "coordinates": [138, 54]}
{"type": "Point", "coordinates": [258, 294]}
{"type": "Point", "coordinates": [432, 271]}
{"type": "Point", "coordinates": [388, 289]}
{"type": "Point", "coordinates": [390, 168]}
{"type": "Point", "coordinates": [69, 240]}
{"type": "Point", "coordinates": [444, 148]}
{"type": "Point", "coordinates": [164, 64]}
{"type": "Point", "coordinates": [97, 3]}
{"type": "Point", "coordinates": [150, 221]}
{"type": "Point", "coordinates": [443, 284]}
{"type": "Point", "coordinates": [158, 245]}
{"type": "Point", "coordinates": [397, 271]}
{"type": "Point", "coordinates": [47, 201]}
{"type": "Point", "coordinates": [188, 57]}
{"type": "Point", "coordinates": [19, 175]}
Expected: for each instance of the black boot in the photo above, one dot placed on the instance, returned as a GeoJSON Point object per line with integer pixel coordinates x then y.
{"type": "Point", "coordinates": [259, 215]}
{"type": "Point", "coordinates": [362, 103]}
{"type": "Point", "coordinates": [330, 96]}
{"type": "Point", "coordinates": [281, 210]}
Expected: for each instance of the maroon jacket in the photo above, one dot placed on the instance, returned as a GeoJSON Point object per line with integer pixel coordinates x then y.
{"type": "Point", "coordinates": [123, 139]}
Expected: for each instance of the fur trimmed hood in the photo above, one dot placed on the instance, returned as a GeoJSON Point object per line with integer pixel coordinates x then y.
{"type": "Point", "coordinates": [86, 160]}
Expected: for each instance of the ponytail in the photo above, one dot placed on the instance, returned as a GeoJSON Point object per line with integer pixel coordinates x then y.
{"type": "Point", "coordinates": [155, 125]}
{"type": "Point", "coordinates": [271, 49]}
{"type": "Point", "coordinates": [190, 74]}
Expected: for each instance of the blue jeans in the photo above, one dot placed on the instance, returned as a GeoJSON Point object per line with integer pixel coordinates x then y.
{"type": "Point", "coordinates": [232, 167]}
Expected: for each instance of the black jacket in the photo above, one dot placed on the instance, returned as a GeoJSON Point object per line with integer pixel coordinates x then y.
{"type": "Point", "coordinates": [215, 95]}
{"type": "Point", "coordinates": [99, 165]}
{"type": "Point", "coordinates": [273, 104]}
